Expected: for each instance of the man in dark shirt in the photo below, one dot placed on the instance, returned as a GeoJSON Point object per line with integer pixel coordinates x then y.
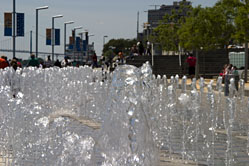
{"type": "Point", "coordinates": [33, 61]}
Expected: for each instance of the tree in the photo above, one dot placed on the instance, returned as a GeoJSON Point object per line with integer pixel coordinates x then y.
{"type": "Point", "coordinates": [229, 8]}
{"type": "Point", "coordinates": [118, 45]}
{"type": "Point", "coordinates": [205, 29]}
{"type": "Point", "coordinates": [166, 32]}
{"type": "Point", "coordinates": [242, 22]}
{"type": "Point", "coordinates": [242, 32]}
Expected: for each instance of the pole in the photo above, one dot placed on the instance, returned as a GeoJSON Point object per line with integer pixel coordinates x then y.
{"type": "Point", "coordinates": [246, 61]}
{"type": "Point", "coordinates": [103, 42]}
{"type": "Point", "coordinates": [14, 28]}
{"type": "Point", "coordinates": [137, 24]}
{"type": "Point", "coordinates": [52, 39]}
{"type": "Point", "coordinates": [152, 55]}
{"type": "Point", "coordinates": [197, 64]}
{"type": "Point", "coordinates": [147, 33]}
{"type": "Point", "coordinates": [36, 35]}
{"type": "Point", "coordinates": [65, 35]}
{"type": "Point", "coordinates": [74, 46]}
{"type": "Point", "coordinates": [31, 42]}
{"type": "Point", "coordinates": [87, 45]}
{"type": "Point", "coordinates": [65, 38]}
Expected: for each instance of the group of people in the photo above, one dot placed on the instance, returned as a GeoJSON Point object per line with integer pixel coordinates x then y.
{"type": "Point", "coordinates": [15, 63]}
{"type": "Point", "coordinates": [49, 63]}
{"type": "Point", "coordinates": [229, 71]}
{"type": "Point", "coordinates": [110, 62]}
{"type": "Point", "coordinates": [139, 49]}
{"type": "Point", "coordinates": [33, 62]}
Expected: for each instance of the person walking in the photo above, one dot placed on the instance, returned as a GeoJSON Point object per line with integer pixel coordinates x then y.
{"type": "Point", "coordinates": [148, 48]}
{"type": "Point", "coordinates": [94, 61]}
{"type": "Point", "coordinates": [236, 77]}
{"type": "Point", "coordinates": [191, 60]}
{"type": "Point", "coordinates": [140, 48]}
{"type": "Point", "coordinates": [228, 76]}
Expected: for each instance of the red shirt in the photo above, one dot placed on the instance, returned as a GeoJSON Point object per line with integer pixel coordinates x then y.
{"type": "Point", "coordinates": [3, 63]}
{"type": "Point", "coordinates": [191, 61]}
{"type": "Point", "coordinates": [94, 58]}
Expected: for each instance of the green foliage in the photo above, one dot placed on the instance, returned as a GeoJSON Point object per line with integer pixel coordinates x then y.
{"type": "Point", "coordinates": [166, 32]}
{"type": "Point", "coordinates": [206, 28]}
{"type": "Point", "coordinates": [194, 28]}
{"type": "Point", "coordinates": [242, 22]}
{"type": "Point", "coordinates": [118, 45]}
{"type": "Point", "coordinates": [109, 54]}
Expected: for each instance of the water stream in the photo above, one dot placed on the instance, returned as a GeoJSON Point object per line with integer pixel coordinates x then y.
{"type": "Point", "coordinates": [82, 117]}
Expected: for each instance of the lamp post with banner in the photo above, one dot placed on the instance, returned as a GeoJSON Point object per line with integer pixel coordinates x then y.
{"type": "Point", "coordinates": [53, 34]}
{"type": "Point", "coordinates": [36, 33]}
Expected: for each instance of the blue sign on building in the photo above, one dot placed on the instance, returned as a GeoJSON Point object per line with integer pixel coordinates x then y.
{"type": "Point", "coordinates": [20, 24]}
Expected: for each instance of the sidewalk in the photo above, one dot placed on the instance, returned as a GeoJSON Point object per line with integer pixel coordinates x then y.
{"type": "Point", "coordinates": [207, 81]}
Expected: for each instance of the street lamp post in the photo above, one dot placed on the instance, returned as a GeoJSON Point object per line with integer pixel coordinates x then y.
{"type": "Point", "coordinates": [14, 28]}
{"type": "Point", "coordinates": [148, 31]}
{"type": "Point", "coordinates": [65, 34]}
{"type": "Point", "coordinates": [104, 41]}
{"type": "Point", "coordinates": [74, 45]}
{"type": "Point", "coordinates": [36, 43]}
{"type": "Point", "coordinates": [86, 38]}
{"type": "Point", "coordinates": [87, 49]}
{"type": "Point", "coordinates": [53, 34]}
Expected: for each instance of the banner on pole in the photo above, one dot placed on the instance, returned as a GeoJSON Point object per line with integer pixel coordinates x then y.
{"type": "Point", "coordinates": [7, 24]}
{"type": "Point", "coordinates": [78, 44]}
{"type": "Point", "coordinates": [48, 36]}
{"type": "Point", "coordinates": [84, 45]}
{"type": "Point", "coordinates": [20, 24]}
{"type": "Point", "coordinates": [57, 37]}
{"type": "Point", "coordinates": [70, 47]}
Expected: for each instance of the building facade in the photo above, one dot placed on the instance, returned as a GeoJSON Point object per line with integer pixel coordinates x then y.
{"type": "Point", "coordinates": [155, 16]}
{"type": "Point", "coordinates": [79, 50]}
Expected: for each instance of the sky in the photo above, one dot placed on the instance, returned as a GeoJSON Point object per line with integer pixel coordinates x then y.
{"type": "Point", "coordinates": [112, 18]}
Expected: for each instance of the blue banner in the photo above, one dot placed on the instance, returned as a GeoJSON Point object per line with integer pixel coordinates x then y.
{"type": "Point", "coordinates": [57, 37]}
{"type": "Point", "coordinates": [48, 37]}
{"type": "Point", "coordinates": [20, 24]}
{"type": "Point", "coordinates": [78, 48]}
{"type": "Point", "coordinates": [70, 47]}
{"type": "Point", "coordinates": [7, 24]}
